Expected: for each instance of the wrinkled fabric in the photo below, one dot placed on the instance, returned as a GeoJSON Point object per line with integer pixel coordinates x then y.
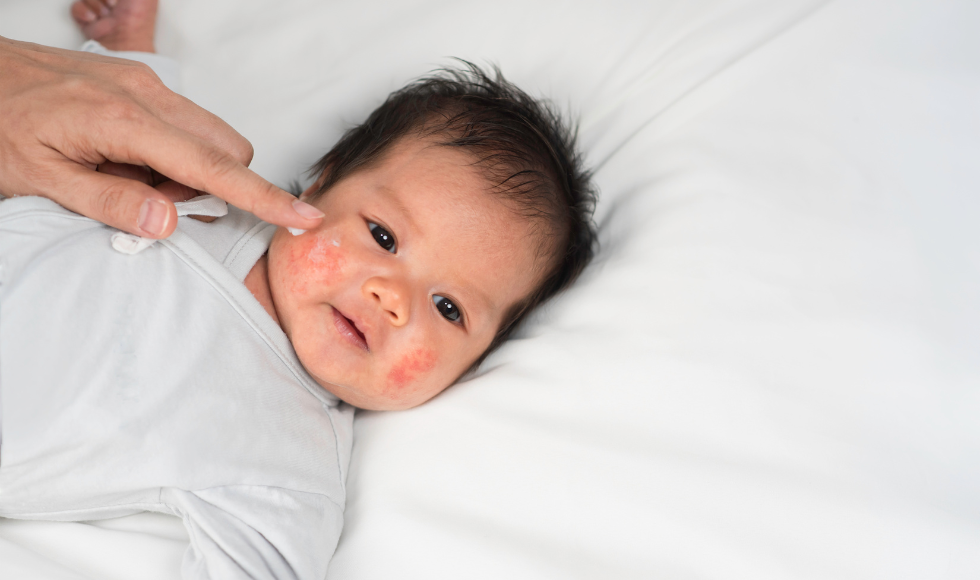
{"type": "Point", "coordinates": [156, 382]}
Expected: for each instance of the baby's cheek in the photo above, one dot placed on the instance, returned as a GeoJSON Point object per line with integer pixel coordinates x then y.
{"type": "Point", "coordinates": [313, 261]}
{"type": "Point", "coordinates": [408, 370]}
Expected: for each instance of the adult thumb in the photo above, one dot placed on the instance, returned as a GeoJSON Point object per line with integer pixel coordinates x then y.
{"type": "Point", "coordinates": [125, 204]}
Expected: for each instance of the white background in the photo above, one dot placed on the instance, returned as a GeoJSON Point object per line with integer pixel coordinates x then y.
{"type": "Point", "coordinates": [771, 369]}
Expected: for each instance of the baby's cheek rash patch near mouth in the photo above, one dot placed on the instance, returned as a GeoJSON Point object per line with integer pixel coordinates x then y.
{"type": "Point", "coordinates": [315, 259]}
{"type": "Point", "coordinates": [409, 368]}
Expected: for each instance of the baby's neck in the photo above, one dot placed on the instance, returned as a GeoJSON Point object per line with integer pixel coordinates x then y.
{"type": "Point", "coordinates": [257, 282]}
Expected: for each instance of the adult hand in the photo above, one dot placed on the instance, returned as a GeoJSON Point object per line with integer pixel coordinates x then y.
{"type": "Point", "coordinates": [65, 113]}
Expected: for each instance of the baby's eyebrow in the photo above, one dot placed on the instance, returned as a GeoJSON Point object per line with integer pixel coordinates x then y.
{"type": "Point", "coordinates": [474, 300]}
{"type": "Point", "coordinates": [392, 196]}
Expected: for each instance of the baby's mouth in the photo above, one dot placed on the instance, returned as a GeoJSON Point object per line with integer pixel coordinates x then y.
{"type": "Point", "coordinates": [349, 330]}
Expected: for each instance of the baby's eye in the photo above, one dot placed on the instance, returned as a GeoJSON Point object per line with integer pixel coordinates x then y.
{"type": "Point", "coordinates": [448, 310]}
{"type": "Point", "coordinates": [382, 236]}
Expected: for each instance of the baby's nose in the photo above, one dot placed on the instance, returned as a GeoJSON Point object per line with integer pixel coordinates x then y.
{"type": "Point", "coordinates": [392, 297]}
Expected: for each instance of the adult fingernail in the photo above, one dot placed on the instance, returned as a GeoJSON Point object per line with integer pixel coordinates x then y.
{"type": "Point", "coordinates": [306, 210]}
{"type": "Point", "coordinates": [88, 15]}
{"type": "Point", "coordinates": [154, 216]}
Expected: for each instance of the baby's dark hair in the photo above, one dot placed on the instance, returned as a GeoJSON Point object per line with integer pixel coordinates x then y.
{"type": "Point", "coordinates": [521, 145]}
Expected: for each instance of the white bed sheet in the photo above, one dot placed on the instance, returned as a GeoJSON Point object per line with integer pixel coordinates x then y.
{"type": "Point", "coordinates": [769, 372]}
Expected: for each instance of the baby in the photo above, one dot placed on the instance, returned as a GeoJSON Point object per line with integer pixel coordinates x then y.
{"type": "Point", "coordinates": [206, 375]}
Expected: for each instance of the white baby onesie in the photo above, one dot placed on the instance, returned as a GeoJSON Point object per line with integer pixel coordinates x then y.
{"type": "Point", "coordinates": [155, 381]}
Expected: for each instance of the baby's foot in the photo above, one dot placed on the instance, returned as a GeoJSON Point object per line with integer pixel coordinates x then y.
{"type": "Point", "coordinates": [118, 24]}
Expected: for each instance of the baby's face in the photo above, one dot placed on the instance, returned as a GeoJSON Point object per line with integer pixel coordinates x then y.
{"type": "Point", "coordinates": [405, 282]}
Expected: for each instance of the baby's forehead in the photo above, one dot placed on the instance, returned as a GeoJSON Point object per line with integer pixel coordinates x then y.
{"type": "Point", "coordinates": [495, 177]}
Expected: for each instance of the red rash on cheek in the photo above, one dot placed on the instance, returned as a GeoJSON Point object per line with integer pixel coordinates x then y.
{"type": "Point", "coordinates": [313, 260]}
{"type": "Point", "coordinates": [413, 364]}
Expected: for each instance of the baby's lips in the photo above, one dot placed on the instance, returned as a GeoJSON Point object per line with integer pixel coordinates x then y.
{"type": "Point", "coordinates": [351, 329]}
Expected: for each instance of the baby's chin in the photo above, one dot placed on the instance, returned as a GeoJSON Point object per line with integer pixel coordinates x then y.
{"type": "Point", "coordinates": [384, 398]}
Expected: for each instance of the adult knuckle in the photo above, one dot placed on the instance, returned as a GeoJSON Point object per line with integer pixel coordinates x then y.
{"type": "Point", "coordinates": [92, 93]}
{"type": "Point", "coordinates": [216, 167]}
{"type": "Point", "coordinates": [140, 79]}
{"type": "Point", "coordinates": [220, 134]}
{"type": "Point", "coordinates": [81, 86]}
{"type": "Point", "coordinates": [265, 198]}
{"type": "Point", "coordinates": [121, 109]}
{"type": "Point", "coordinates": [243, 151]}
{"type": "Point", "coordinates": [110, 205]}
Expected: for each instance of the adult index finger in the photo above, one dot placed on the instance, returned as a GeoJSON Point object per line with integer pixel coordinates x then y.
{"type": "Point", "coordinates": [141, 83]}
{"type": "Point", "coordinates": [184, 114]}
{"type": "Point", "coordinates": [199, 164]}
